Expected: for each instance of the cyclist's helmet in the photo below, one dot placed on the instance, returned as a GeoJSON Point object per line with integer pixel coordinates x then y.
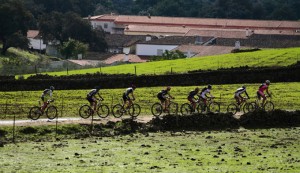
{"type": "Point", "coordinates": [133, 86]}
{"type": "Point", "coordinates": [209, 86]}
{"type": "Point", "coordinates": [268, 82]}
{"type": "Point", "coordinates": [52, 88]}
{"type": "Point", "coordinates": [168, 88]}
{"type": "Point", "coordinates": [244, 86]}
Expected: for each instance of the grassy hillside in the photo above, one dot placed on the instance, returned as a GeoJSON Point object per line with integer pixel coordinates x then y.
{"type": "Point", "coordinates": [270, 57]}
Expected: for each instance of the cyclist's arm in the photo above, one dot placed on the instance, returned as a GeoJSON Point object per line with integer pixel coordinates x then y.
{"type": "Point", "coordinates": [133, 98]}
{"type": "Point", "coordinates": [100, 97]}
{"type": "Point", "coordinates": [247, 94]}
{"type": "Point", "coordinates": [267, 90]}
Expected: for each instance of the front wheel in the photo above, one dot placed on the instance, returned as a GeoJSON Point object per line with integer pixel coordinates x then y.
{"type": "Point", "coordinates": [232, 108]}
{"type": "Point", "coordinates": [35, 113]}
{"type": "Point", "coordinates": [156, 109]}
{"type": "Point", "coordinates": [51, 112]}
{"type": "Point", "coordinates": [214, 107]}
{"type": "Point", "coordinates": [269, 106]}
{"type": "Point", "coordinates": [103, 111]}
{"type": "Point", "coordinates": [134, 110]}
{"type": "Point", "coordinates": [186, 109]}
{"type": "Point", "coordinates": [85, 111]}
{"type": "Point", "coordinates": [248, 107]}
{"type": "Point", "coordinates": [173, 108]}
{"type": "Point", "coordinates": [118, 110]}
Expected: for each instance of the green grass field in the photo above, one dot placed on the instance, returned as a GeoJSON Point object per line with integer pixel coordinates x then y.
{"type": "Point", "coordinates": [241, 150]}
{"type": "Point", "coordinates": [269, 57]}
{"type": "Point", "coordinates": [286, 96]}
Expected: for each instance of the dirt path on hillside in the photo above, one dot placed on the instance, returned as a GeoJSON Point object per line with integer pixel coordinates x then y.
{"type": "Point", "coordinates": [70, 120]}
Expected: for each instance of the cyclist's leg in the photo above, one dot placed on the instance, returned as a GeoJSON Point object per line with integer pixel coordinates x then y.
{"type": "Point", "coordinates": [43, 107]}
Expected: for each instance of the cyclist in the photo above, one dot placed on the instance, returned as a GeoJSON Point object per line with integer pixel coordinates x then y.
{"type": "Point", "coordinates": [191, 97]}
{"type": "Point", "coordinates": [162, 96]}
{"type": "Point", "coordinates": [238, 94]}
{"type": "Point", "coordinates": [204, 92]}
{"type": "Point", "coordinates": [91, 97]}
{"type": "Point", "coordinates": [129, 91]}
{"type": "Point", "coordinates": [260, 93]}
{"type": "Point", "coordinates": [46, 94]}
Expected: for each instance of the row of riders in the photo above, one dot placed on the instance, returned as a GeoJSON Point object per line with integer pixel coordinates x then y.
{"type": "Point", "coordinates": [163, 95]}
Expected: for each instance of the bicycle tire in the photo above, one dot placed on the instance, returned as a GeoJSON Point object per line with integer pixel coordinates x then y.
{"type": "Point", "coordinates": [186, 109]}
{"type": "Point", "coordinates": [51, 112]}
{"type": "Point", "coordinates": [35, 113]}
{"type": "Point", "coordinates": [103, 111]}
{"type": "Point", "coordinates": [134, 110]}
{"type": "Point", "coordinates": [232, 108]}
{"type": "Point", "coordinates": [156, 109]}
{"type": "Point", "coordinates": [118, 111]}
{"type": "Point", "coordinates": [269, 106]}
{"type": "Point", "coordinates": [173, 108]}
{"type": "Point", "coordinates": [214, 107]}
{"type": "Point", "coordinates": [85, 111]}
{"type": "Point", "coordinates": [201, 108]}
{"type": "Point", "coordinates": [248, 107]}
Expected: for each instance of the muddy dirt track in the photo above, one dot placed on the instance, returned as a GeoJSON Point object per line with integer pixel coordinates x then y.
{"type": "Point", "coordinates": [277, 118]}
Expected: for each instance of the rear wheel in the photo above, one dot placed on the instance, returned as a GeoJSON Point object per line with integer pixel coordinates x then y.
{"type": "Point", "coordinates": [232, 108]}
{"type": "Point", "coordinates": [35, 113]}
{"type": "Point", "coordinates": [248, 107]}
{"type": "Point", "coordinates": [268, 106]}
{"type": "Point", "coordinates": [186, 109]}
{"type": "Point", "coordinates": [156, 109]}
{"type": "Point", "coordinates": [85, 111]}
{"type": "Point", "coordinates": [118, 111]}
{"type": "Point", "coordinates": [134, 110]}
{"type": "Point", "coordinates": [51, 112]}
{"type": "Point", "coordinates": [201, 108]}
{"type": "Point", "coordinates": [103, 111]}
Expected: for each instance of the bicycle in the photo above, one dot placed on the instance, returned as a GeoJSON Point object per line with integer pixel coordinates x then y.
{"type": "Point", "coordinates": [187, 108]}
{"type": "Point", "coordinates": [157, 108]}
{"type": "Point", "coordinates": [133, 110]}
{"type": "Point", "coordinates": [268, 105]}
{"type": "Point", "coordinates": [211, 106]}
{"type": "Point", "coordinates": [36, 111]}
{"type": "Point", "coordinates": [244, 106]}
{"type": "Point", "coordinates": [102, 110]}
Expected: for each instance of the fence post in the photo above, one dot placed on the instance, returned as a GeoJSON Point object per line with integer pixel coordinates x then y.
{"type": "Point", "coordinates": [92, 123]}
{"type": "Point", "coordinates": [14, 128]}
{"type": "Point", "coordinates": [6, 108]}
{"type": "Point", "coordinates": [171, 70]}
{"type": "Point", "coordinates": [62, 106]}
{"type": "Point", "coordinates": [135, 70]}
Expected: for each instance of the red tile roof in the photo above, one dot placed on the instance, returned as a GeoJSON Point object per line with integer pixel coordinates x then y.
{"type": "Point", "coordinates": [121, 57]}
{"type": "Point", "coordinates": [32, 33]}
{"type": "Point", "coordinates": [207, 22]}
{"type": "Point", "coordinates": [204, 50]}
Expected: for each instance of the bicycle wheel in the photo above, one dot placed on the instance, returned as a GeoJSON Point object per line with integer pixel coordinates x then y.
{"type": "Point", "coordinates": [134, 110]}
{"type": "Point", "coordinates": [156, 109]}
{"type": "Point", "coordinates": [269, 106]}
{"type": "Point", "coordinates": [85, 111]}
{"type": "Point", "coordinates": [248, 107]}
{"type": "Point", "coordinates": [255, 106]}
{"type": "Point", "coordinates": [173, 108]}
{"type": "Point", "coordinates": [103, 111]}
{"type": "Point", "coordinates": [201, 108]}
{"type": "Point", "coordinates": [214, 107]}
{"type": "Point", "coordinates": [35, 113]}
{"type": "Point", "coordinates": [232, 108]}
{"type": "Point", "coordinates": [118, 110]}
{"type": "Point", "coordinates": [186, 109]}
{"type": "Point", "coordinates": [51, 112]}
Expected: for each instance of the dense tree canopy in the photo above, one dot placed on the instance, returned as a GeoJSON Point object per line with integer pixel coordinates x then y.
{"type": "Point", "coordinates": [14, 24]}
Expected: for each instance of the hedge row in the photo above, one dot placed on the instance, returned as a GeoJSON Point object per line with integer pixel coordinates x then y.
{"type": "Point", "coordinates": [232, 76]}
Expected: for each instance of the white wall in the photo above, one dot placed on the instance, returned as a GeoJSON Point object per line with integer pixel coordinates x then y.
{"type": "Point", "coordinates": [151, 50]}
{"type": "Point", "coordinates": [110, 25]}
{"type": "Point", "coordinates": [36, 44]}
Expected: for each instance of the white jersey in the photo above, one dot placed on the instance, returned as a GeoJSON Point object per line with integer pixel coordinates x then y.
{"type": "Point", "coordinates": [204, 92]}
{"type": "Point", "coordinates": [47, 92]}
{"type": "Point", "coordinates": [240, 91]}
